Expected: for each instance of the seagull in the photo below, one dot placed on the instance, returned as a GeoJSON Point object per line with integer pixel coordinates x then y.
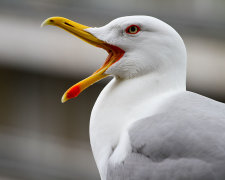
{"type": "Point", "coordinates": [145, 125]}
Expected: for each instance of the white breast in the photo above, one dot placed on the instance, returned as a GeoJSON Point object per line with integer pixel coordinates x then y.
{"type": "Point", "coordinates": [120, 103]}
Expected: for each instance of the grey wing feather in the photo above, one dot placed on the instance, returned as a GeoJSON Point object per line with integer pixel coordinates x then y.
{"type": "Point", "coordinates": [184, 142]}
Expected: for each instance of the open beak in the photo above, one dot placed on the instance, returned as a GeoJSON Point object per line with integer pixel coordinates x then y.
{"type": "Point", "coordinates": [115, 53]}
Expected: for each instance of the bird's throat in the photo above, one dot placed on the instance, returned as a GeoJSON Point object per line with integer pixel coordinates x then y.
{"type": "Point", "coordinates": [121, 103]}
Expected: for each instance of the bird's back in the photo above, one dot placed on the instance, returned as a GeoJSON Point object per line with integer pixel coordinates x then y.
{"type": "Point", "coordinates": [184, 142]}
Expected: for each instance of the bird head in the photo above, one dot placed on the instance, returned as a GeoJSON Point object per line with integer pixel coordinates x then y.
{"type": "Point", "coordinates": [137, 45]}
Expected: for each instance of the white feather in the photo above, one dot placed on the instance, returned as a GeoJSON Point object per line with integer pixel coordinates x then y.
{"type": "Point", "coordinates": [152, 69]}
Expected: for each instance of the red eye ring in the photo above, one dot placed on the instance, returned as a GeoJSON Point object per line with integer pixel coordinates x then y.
{"type": "Point", "coordinates": [132, 29]}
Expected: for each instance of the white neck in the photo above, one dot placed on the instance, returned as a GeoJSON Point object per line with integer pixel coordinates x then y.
{"type": "Point", "coordinates": [123, 101]}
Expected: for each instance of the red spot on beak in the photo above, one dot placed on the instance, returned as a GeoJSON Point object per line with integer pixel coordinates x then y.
{"type": "Point", "coordinates": [73, 92]}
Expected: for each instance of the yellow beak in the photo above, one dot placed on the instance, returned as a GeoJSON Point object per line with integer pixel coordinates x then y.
{"type": "Point", "coordinates": [115, 53]}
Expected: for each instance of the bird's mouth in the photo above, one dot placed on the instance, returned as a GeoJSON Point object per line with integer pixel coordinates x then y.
{"type": "Point", "coordinates": [115, 53]}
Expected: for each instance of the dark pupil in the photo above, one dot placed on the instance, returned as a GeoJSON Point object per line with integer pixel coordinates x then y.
{"type": "Point", "coordinates": [132, 28]}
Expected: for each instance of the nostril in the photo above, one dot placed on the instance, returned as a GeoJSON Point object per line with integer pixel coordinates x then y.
{"type": "Point", "coordinates": [51, 20]}
{"type": "Point", "coordinates": [68, 24]}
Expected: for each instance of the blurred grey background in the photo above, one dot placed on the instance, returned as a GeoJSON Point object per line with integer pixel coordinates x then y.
{"type": "Point", "coordinates": [42, 139]}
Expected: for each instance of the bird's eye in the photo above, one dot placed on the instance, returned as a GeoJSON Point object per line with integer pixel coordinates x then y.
{"type": "Point", "coordinates": [133, 29]}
